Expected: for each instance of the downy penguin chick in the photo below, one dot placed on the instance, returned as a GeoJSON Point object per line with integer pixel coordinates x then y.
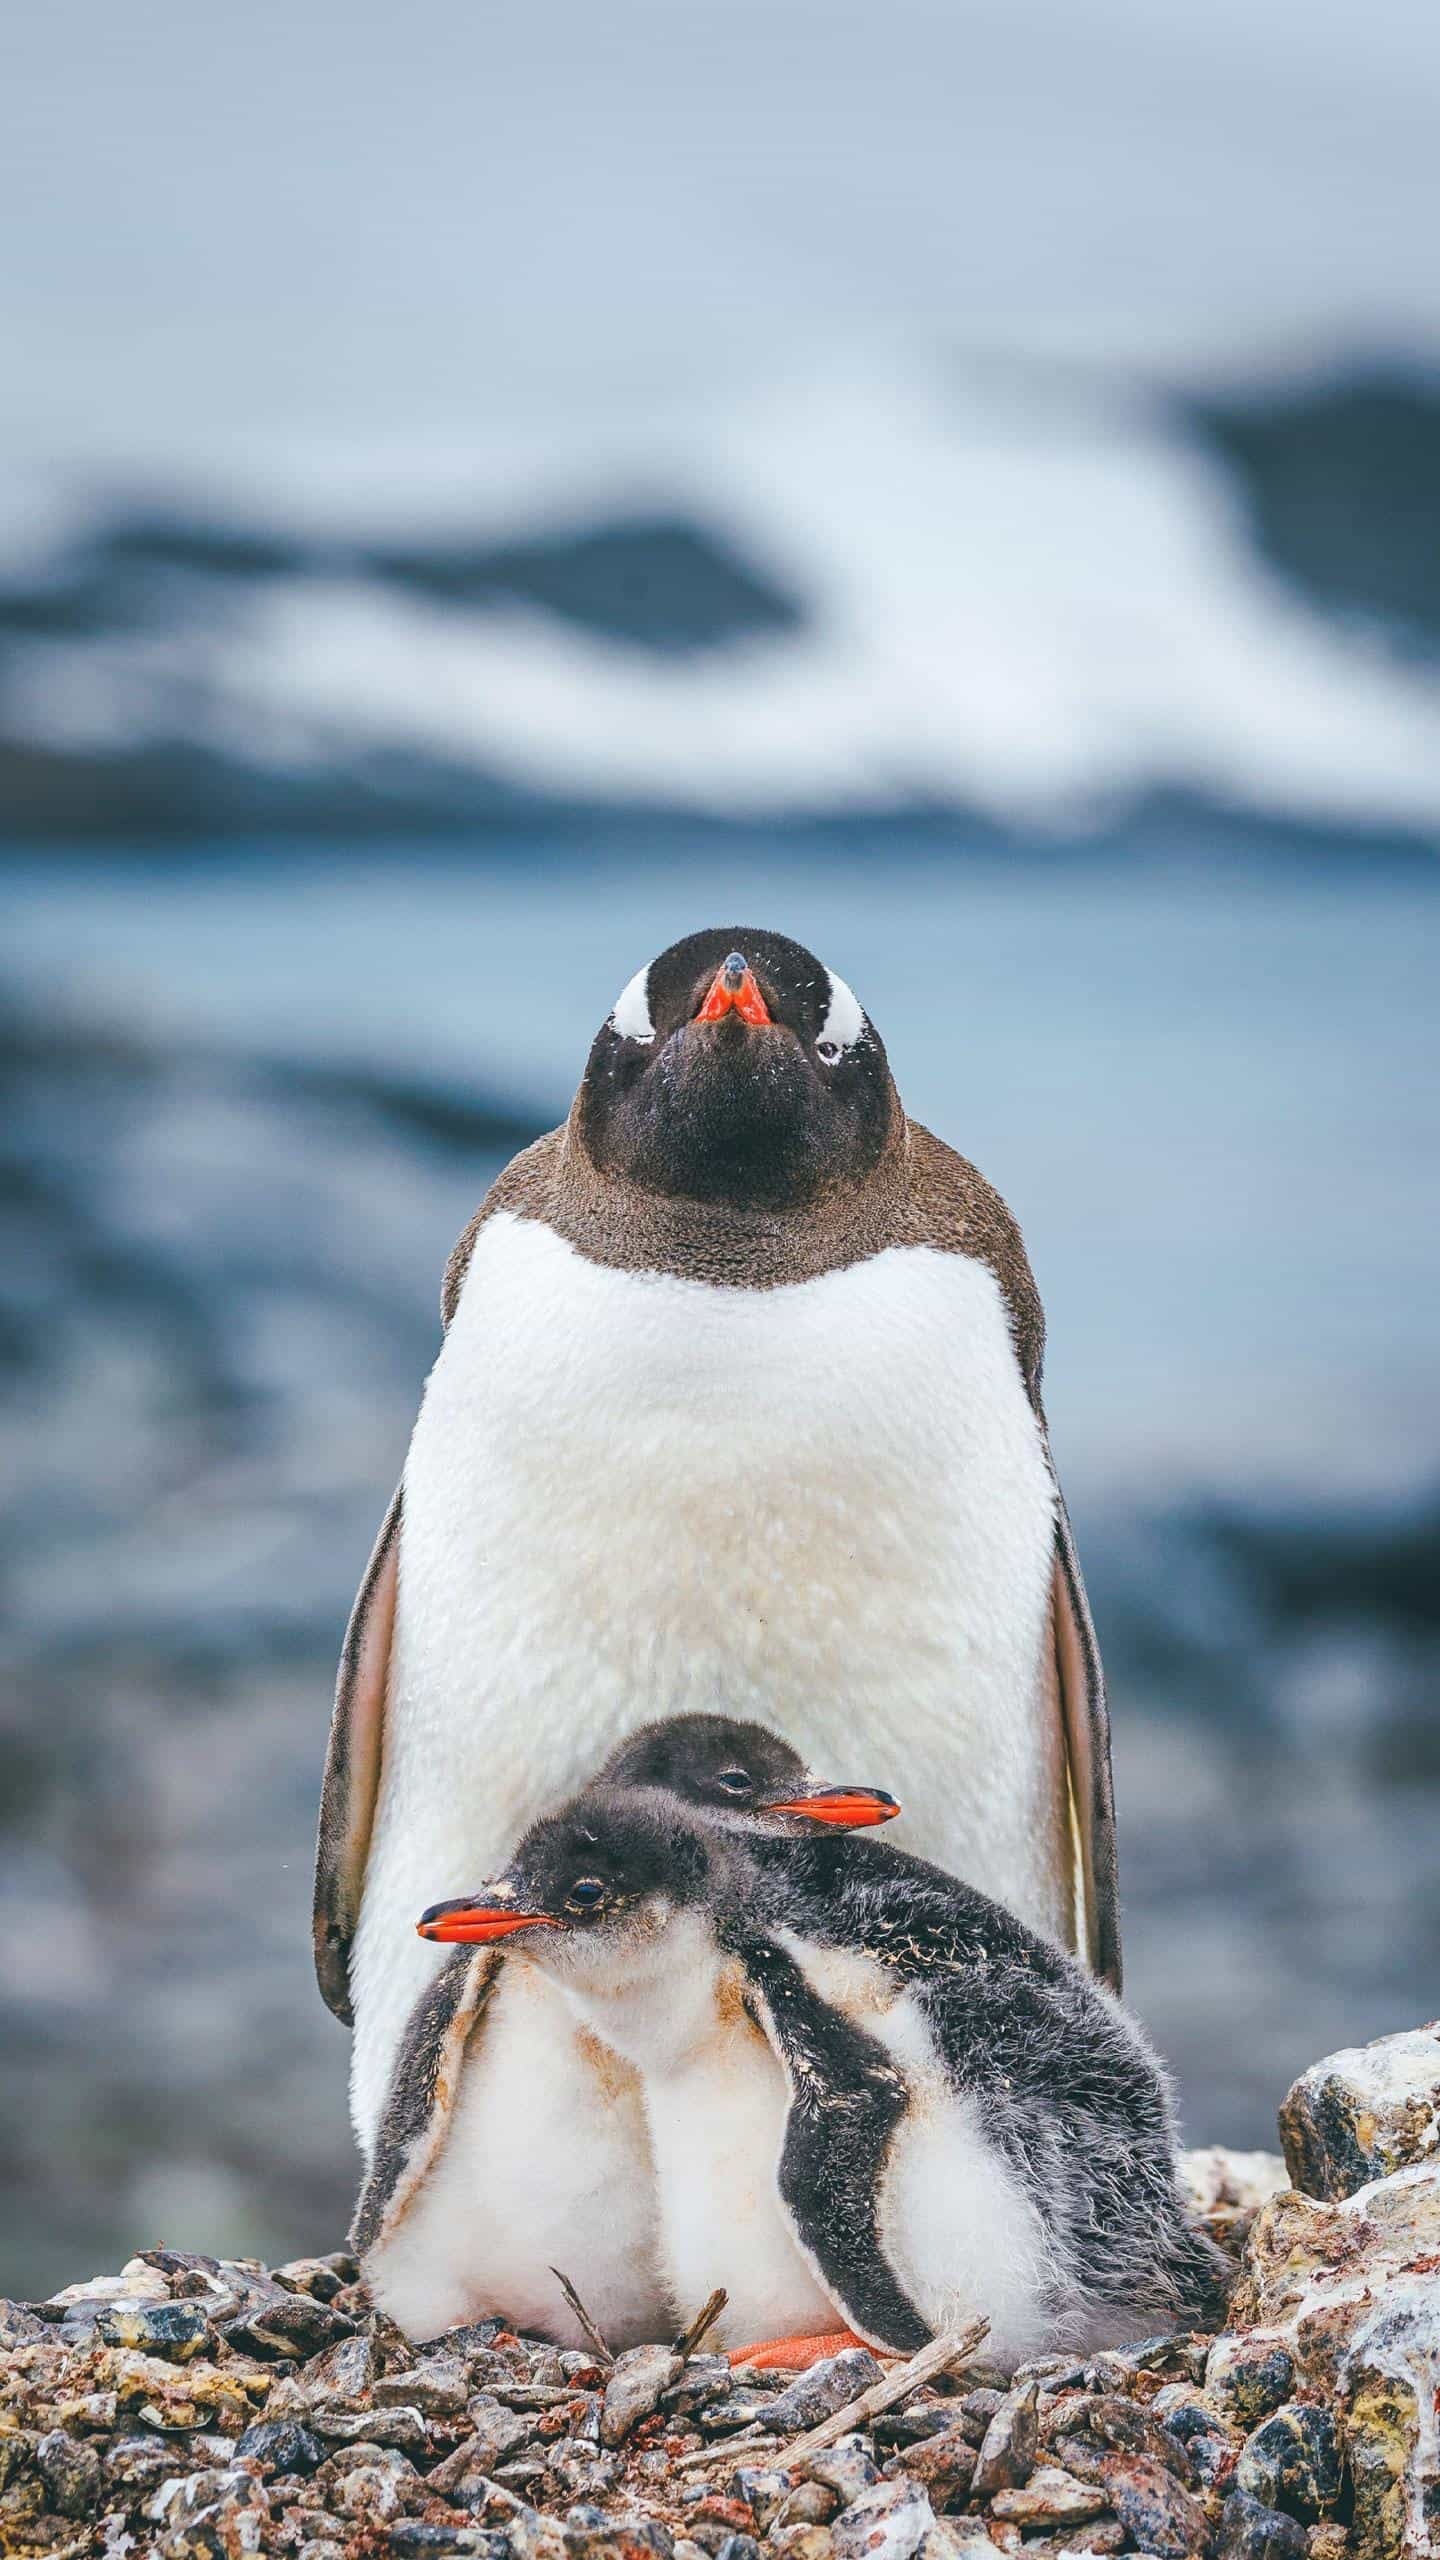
{"type": "Point", "coordinates": [514, 2140]}
{"type": "Point", "coordinates": [870, 2091]}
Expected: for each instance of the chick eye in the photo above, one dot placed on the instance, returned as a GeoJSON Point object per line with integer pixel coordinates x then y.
{"type": "Point", "coordinates": [828, 1052]}
{"type": "Point", "coordinates": [585, 1894]}
{"type": "Point", "coordinates": [734, 1781]}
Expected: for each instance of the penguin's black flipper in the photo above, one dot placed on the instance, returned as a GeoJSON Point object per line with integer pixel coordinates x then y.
{"type": "Point", "coordinates": [846, 2099]}
{"type": "Point", "coordinates": [352, 1767]}
{"type": "Point", "coordinates": [1085, 1717]}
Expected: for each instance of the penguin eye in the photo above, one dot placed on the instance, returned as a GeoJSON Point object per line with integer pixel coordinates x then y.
{"type": "Point", "coordinates": [586, 1894]}
{"type": "Point", "coordinates": [734, 1781]}
{"type": "Point", "coordinates": [828, 1052]}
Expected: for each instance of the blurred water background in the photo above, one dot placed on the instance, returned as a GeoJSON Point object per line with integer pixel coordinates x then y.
{"type": "Point", "coordinates": [486, 494]}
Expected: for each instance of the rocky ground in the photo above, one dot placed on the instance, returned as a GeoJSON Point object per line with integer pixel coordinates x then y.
{"type": "Point", "coordinates": [195, 2406]}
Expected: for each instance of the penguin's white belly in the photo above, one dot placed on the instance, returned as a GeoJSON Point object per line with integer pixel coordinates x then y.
{"type": "Point", "coordinates": [717, 2127]}
{"type": "Point", "coordinates": [545, 2162]}
{"type": "Point", "coordinates": [956, 2220]}
{"type": "Point", "coordinates": [716, 2104]}
{"type": "Point", "coordinates": [826, 1506]}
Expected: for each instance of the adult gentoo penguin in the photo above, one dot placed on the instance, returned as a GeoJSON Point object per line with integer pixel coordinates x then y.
{"type": "Point", "coordinates": [739, 1407]}
{"type": "Point", "coordinates": [514, 2141]}
{"type": "Point", "coordinates": [871, 2092]}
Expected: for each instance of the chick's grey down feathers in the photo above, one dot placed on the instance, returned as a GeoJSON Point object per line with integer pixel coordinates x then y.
{"type": "Point", "coordinates": [1063, 2082]}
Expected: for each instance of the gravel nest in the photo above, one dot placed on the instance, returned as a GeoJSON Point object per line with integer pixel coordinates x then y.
{"type": "Point", "coordinates": [196, 2406]}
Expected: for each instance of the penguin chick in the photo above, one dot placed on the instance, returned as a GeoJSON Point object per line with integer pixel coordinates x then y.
{"type": "Point", "coordinates": [872, 2095]}
{"type": "Point", "coordinates": [514, 2140]}
{"type": "Point", "coordinates": [742, 1775]}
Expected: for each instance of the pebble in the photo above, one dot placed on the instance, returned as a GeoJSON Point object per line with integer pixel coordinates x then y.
{"type": "Point", "coordinates": [293, 2326]}
{"type": "Point", "coordinates": [322, 2278]}
{"type": "Point", "coordinates": [704, 2379]}
{"type": "Point", "coordinates": [738, 2408]}
{"type": "Point", "coordinates": [464, 2474]}
{"type": "Point", "coordinates": [816, 2395]}
{"type": "Point", "coordinates": [620, 2538]}
{"type": "Point", "coordinates": [633, 2390]}
{"type": "Point", "coordinates": [809, 2502]}
{"type": "Point", "coordinates": [1248, 2377]}
{"type": "Point", "coordinates": [899, 2427]}
{"type": "Point", "coordinates": [945, 2465]}
{"type": "Point", "coordinates": [400, 2430]}
{"type": "Point", "coordinates": [1103, 2537]}
{"type": "Point", "coordinates": [344, 2371]}
{"type": "Point", "coordinates": [980, 2406]}
{"type": "Point", "coordinates": [19, 2325]}
{"type": "Point", "coordinates": [492, 2430]}
{"type": "Point", "coordinates": [964, 2538]}
{"type": "Point", "coordinates": [888, 2522]}
{"type": "Point", "coordinates": [1249, 2531]}
{"type": "Point", "coordinates": [17, 2452]}
{"type": "Point", "coordinates": [1050, 2497]}
{"type": "Point", "coordinates": [845, 2467]}
{"type": "Point", "coordinates": [1125, 2427]}
{"type": "Point", "coordinates": [1182, 2348]}
{"type": "Point", "coordinates": [580, 2469]}
{"type": "Point", "coordinates": [410, 2535]}
{"type": "Point", "coordinates": [380, 2486]}
{"type": "Point", "coordinates": [1159, 2516]}
{"type": "Point", "coordinates": [281, 2446]}
{"type": "Point", "coordinates": [1210, 2444]}
{"type": "Point", "coordinates": [1364, 2113]}
{"type": "Point", "coordinates": [762, 2490]}
{"type": "Point", "coordinates": [1293, 2461]}
{"type": "Point", "coordinates": [177, 2330]}
{"type": "Point", "coordinates": [71, 2470]}
{"type": "Point", "coordinates": [438, 2387]}
{"type": "Point", "coordinates": [1011, 2441]}
{"type": "Point", "coordinates": [801, 2541]}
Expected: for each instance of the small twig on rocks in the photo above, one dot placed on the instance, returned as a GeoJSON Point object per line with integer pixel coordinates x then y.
{"type": "Point", "coordinates": [744, 2440]}
{"type": "Point", "coordinates": [689, 2339]}
{"type": "Point", "coordinates": [953, 2348]}
{"type": "Point", "coordinates": [595, 2336]}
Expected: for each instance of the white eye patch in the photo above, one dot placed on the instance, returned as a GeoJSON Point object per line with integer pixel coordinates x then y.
{"type": "Point", "coordinates": [844, 1022]}
{"type": "Point", "coordinates": [631, 1017]}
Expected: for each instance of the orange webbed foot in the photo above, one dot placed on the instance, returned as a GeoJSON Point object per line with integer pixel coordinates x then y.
{"type": "Point", "coordinates": [795, 2355]}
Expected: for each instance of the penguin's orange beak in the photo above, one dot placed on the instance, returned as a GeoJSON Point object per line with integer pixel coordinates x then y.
{"type": "Point", "coordinates": [733, 990]}
{"type": "Point", "coordinates": [468, 1923]}
{"type": "Point", "coordinates": [840, 1808]}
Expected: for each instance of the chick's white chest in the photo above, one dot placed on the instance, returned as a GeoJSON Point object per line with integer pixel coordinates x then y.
{"type": "Point", "coordinates": [716, 2105]}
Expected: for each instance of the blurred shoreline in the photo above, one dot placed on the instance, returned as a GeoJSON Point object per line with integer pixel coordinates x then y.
{"type": "Point", "coordinates": [1018, 607]}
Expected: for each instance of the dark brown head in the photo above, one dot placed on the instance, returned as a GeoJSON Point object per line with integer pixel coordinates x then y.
{"type": "Point", "coordinates": [737, 1068]}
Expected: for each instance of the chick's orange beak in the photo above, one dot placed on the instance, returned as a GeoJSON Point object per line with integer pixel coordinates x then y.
{"type": "Point", "coordinates": [477, 1924]}
{"type": "Point", "coordinates": [842, 1808]}
{"type": "Point", "coordinates": [733, 989]}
